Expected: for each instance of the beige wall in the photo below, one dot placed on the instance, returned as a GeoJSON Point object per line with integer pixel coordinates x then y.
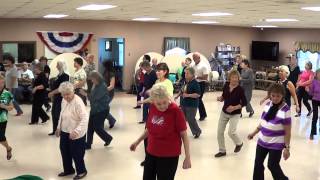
{"type": "Point", "coordinates": [286, 39]}
{"type": "Point", "coordinates": [139, 37]}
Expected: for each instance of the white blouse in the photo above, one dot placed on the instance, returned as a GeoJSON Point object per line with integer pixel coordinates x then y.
{"type": "Point", "coordinates": [74, 117]}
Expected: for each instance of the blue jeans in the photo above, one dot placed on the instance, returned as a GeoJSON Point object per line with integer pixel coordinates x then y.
{"type": "Point", "coordinates": [14, 102]}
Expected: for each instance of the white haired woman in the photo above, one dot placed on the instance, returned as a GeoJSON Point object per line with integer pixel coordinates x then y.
{"type": "Point", "coordinates": [55, 94]}
{"type": "Point", "coordinates": [99, 101]}
{"type": "Point", "coordinates": [166, 127]}
{"type": "Point", "coordinates": [289, 87]}
{"type": "Point", "coordinates": [72, 128]}
{"type": "Point", "coordinates": [190, 100]}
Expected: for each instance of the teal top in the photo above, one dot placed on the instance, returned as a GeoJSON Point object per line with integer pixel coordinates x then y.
{"type": "Point", "coordinates": [5, 98]}
{"type": "Point", "coordinates": [191, 87]}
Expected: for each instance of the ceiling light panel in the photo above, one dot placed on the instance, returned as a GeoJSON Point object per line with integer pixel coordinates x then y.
{"type": "Point", "coordinates": [145, 19]}
{"type": "Point", "coordinates": [95, 7]}
{"type": "Point", "coordinates": [55, 16]}
{"type": "Point", "coordinates": [281, 20]}
{"type": "Point", "coordinates": [210, 14]}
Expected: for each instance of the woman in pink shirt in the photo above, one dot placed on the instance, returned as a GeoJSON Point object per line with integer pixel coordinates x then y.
{"type": "Point", "coordinates": [304, 82]}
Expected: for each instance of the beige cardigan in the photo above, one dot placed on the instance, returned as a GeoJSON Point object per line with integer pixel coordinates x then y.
{"type": "Point", "coordinates": [74, 117]}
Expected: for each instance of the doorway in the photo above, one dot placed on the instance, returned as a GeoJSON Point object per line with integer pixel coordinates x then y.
{"type": "Point", "coordinates": [112, 49]}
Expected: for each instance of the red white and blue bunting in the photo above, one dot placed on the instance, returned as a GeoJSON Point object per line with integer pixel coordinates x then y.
{"type": "Point", "coordinates": [64, 42]}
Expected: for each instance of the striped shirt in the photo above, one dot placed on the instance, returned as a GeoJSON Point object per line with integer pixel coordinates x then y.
{"type": "Point", "coordinates": [271, 135]}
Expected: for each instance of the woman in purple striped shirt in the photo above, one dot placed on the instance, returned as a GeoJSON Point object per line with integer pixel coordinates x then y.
{"type": "Point", "coordinates": [274, 136]}
{"type": "Point", "coordinates": [314, 91]}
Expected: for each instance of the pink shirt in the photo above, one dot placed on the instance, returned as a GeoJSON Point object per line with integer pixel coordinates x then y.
{"type": "Point", "coordinates": [304, 77]}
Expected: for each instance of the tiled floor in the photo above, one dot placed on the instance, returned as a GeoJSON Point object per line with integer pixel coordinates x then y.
{"type": "Point", "coordinates": [38, 154]}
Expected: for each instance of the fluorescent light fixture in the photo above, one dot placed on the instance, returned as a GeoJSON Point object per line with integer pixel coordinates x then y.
{"type": "Point", "coordinates": [265, 26]}
{"type": "Point", "coordinates": [312, 8]}
{"type": "Point", "coordinates": [55, 16]}
{"type": "Point", "coordinates": [205, 22]}
{"type": "Point", "coordinates": [145, 19]}
{"type": "Point", "coordinates": [95, 7]}
{"type": "Point", "coordinates": [281, 20]}
{"type": "Point", "coordinates": [207, 14]}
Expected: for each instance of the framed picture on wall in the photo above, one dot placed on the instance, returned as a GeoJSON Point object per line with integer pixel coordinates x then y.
{"type": "Point", "coordinates": [108, 46]}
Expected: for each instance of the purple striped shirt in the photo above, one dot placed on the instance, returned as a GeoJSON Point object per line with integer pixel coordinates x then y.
{"type": "Point", "coordinates": [271, 135]}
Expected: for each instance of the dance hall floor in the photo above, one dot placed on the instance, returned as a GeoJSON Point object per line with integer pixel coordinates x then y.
{"type": "Point", "coordinates": [34, 152]}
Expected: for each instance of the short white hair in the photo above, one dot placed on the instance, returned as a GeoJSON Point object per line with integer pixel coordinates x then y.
{"type": "Point", "coordinates": [63, 65]}
{"type": "Point", "coordinates": [159, 92]}
{"type": "Point", "coordinates": [285, 69]}
{"type": "Point", "coordinates": [66, 88]}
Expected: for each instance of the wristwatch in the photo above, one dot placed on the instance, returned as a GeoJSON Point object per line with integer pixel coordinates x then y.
{"type": "Point", "coordinates": [287, 147]}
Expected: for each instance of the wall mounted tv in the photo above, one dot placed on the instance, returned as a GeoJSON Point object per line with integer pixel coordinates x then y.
{"type": "Point", "coordinates": [265, 50]}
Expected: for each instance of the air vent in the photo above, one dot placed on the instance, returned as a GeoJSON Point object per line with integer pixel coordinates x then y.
{"type": "Point", "coordinates": [291, 2]}
{"type": "Point", "coordinates": [169, 11]}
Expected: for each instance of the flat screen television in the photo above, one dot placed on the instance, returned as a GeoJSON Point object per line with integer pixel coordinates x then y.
{"type": "Point", "coordinates": [265, 50]}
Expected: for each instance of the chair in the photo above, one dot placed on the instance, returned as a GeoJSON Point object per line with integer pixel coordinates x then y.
{"type": "Point", "coordinates": [213, 79]}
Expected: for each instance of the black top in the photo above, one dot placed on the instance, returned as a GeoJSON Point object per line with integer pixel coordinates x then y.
{"type": "Point", "coordinates": [239, 68]}
{"type": "Point", "coordinates": [233, 98]}
{"type": "Point", "coordinates": [149, 79]}
{"type": "Point", "coordinates": [294, 74]}
{"type": "Point", "coordinates": [60, 79]}
{"type": "Point", "coordinates": [108, 75]}
{"type": "Point", "coordinates": [190, 88]}
{"type": "Point", "coordinates": [2, 67]}
{"type": "Point", "coordinates": [46, 70]}
{"type": "Point", "coordinates": [183, 74]}
{"type": "Point", "coordinates": [41, 79]}
{"type": "Point", "coordinates": [287, 97]}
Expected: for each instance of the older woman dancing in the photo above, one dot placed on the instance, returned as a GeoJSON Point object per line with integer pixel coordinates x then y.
{"type": "Point", "coordinates": [72, 128]}
{"type": "Point", "coordinates": [99, 100]}
{"type": "Point", "coordinates": [55, 94]}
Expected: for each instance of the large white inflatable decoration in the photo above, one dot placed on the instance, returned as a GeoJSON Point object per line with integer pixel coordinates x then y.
{"type": "Point", "coordinates": [173, 62]}
{"type": "Point", "coordinates": [176, 51]}
{"type": "Point", "coordinates": [68, 59]}
{"type": "Point", "coordinates": [152, 55]}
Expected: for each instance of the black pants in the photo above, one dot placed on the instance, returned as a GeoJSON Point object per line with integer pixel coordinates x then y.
{"type": "Point", "coordinates": [96, 124]}
{"type": "Point", "coordinates": [3, 127]}
{"type": "Point", "coordinates": [273, 164]}
{"type": "Point", "coordinates": [202, 109]}
{"type": "Point", "coordinates": [46, 101]}
{"type": "Point", "coordinates": [139, 89]}
{"type": "Point", "coordinates": [302, 94]}
{"type": "Point", "coordinates": [55, 112]}
{"type": "Point", "coordinates": [72, 150]}
{"type": "Point", "coordinates": [315, 106]}
{"type": "Point", "coordinates": [37, 111]}
{"type": "Point", "coordinates": [160, 168]}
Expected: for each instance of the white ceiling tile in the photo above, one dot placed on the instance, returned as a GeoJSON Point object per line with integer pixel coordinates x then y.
{"type": "Point", "coordinates": [246, 12]}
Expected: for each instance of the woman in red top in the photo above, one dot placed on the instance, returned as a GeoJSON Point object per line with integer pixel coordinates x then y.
{"type": "Point", "coordinates": [304, 81]}
{"type": "Point", "coordinates": [166, 127]}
